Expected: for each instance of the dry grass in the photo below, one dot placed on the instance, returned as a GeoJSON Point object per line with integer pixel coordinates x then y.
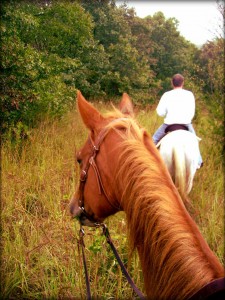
{"type": "Point", "coordinates": [40, 257]}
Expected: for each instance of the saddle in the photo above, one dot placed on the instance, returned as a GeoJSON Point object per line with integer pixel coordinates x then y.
{"type": "Point", "coordinates": [174, 127]}
{"type": "Point", "coordinates": [171, 128]}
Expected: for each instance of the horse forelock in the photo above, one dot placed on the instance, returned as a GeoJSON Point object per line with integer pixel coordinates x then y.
{"type": "Point", "coordinates": [158, 225]}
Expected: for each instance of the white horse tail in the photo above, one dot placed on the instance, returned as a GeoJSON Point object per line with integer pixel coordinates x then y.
{"type": "Point", "coordinates": [180, 152]}
{"type": "Point", "coordinates": [180, 170]}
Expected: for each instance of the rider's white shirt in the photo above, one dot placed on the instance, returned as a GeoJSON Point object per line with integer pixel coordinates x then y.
{"type": "Point", "coordinates": [177, 106]}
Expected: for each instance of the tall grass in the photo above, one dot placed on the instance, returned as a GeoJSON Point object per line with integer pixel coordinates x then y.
{"type": "Point", "coordinates": [40, 249]}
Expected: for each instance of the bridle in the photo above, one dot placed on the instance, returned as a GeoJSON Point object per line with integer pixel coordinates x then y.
{"type": "Point", "coordinates": [84, 173]}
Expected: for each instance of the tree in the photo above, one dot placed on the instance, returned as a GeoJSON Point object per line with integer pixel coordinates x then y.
{"type": "Point", "coordinates": [52, 48]}
{"type": "Point", "coordinates": [113, 31]}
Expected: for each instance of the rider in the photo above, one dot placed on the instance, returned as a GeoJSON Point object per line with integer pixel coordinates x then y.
{"type": "Point", "coordinates": [178, 107]}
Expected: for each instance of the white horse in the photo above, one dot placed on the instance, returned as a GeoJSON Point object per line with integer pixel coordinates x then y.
{"type": "Point", "coordinates": [180, 152]}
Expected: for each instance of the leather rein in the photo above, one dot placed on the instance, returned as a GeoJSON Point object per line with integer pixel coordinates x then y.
{"type": "Point", "coordinates": [214, 288]}
{"type": "Point", "coordinates": [83, 178]}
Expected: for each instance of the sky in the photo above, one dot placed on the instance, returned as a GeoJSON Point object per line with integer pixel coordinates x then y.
{"type": "Point", "coordinates": [199, 21]}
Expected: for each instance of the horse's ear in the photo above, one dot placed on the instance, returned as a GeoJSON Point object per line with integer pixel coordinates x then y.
{"type": "Point", "coordinates": [126, 106]}
{"type": "Point", "coordinates": [90, 115]}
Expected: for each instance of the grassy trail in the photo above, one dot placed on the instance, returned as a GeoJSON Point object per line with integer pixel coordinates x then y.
{"type": "Point", "coordinates": [40, 255]}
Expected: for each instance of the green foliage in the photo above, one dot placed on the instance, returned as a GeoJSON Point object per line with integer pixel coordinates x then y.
{"type": "Point", "coordinates": [52, 48]}
{"type": "Point", "coordinates": [32, 86]}
{"type": "Point", "coordinates": [163, 35]}
{"type": "Point", "coordinates": [171, 52]}
{"type": "Point", "coordinates": [212, 71]}
{"type": "Point", "coordinates": [97, 244]}
{"type": "Point", "coordinates": [211, 56]}
{"type": "Point", "coordinates": [113, 31]}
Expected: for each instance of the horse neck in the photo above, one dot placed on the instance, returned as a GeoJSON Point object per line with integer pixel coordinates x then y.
{"type": "Point", "coordinates": [175, 259]}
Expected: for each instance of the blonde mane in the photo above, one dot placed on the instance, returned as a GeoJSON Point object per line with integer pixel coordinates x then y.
{"type": "Point", "coordinates": [176, 261]}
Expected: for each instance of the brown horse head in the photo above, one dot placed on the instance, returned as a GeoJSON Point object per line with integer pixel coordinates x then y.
{"type": "Point", "coordinates": [96, 198]}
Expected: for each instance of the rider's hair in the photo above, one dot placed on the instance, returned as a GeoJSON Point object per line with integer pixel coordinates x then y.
{"type": "Point", "coordinates": [177, 80]}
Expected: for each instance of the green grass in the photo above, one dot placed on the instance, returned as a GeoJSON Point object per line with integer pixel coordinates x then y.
{"type": "Point", "coordinates": [40, 255]}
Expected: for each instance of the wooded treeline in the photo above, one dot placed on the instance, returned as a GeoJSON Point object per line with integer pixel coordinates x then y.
{"type": "Point", "coordinates": [52, 48]}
